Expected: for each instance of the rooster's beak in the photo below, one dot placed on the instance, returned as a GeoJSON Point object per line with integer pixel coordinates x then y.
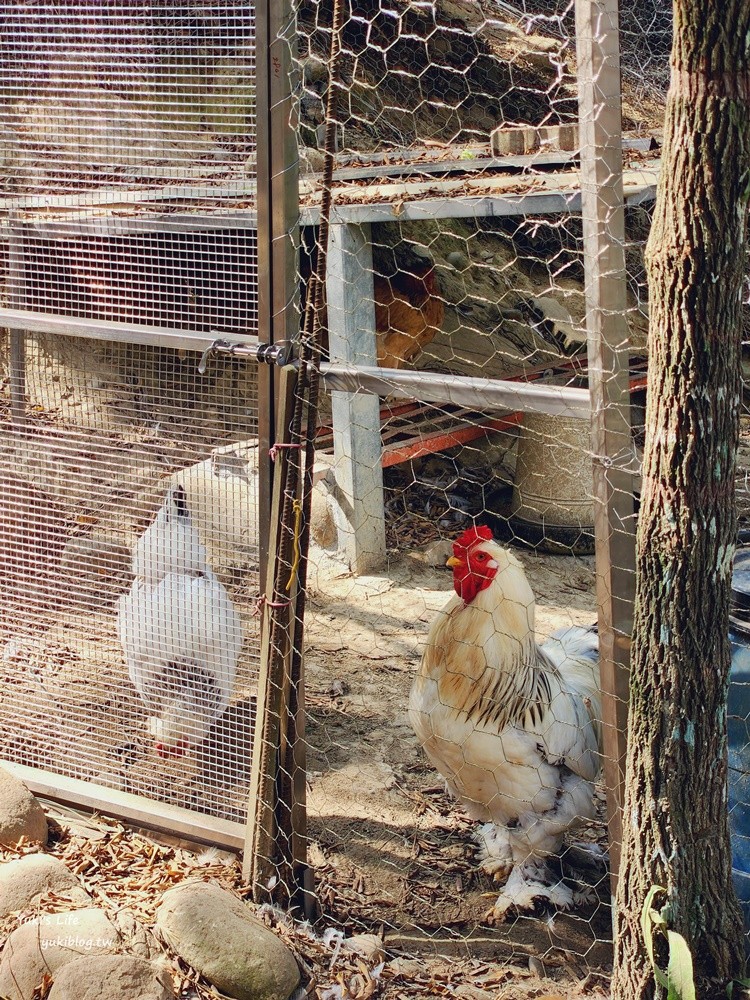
{"type": "Point", "coordinates": [453, 561]}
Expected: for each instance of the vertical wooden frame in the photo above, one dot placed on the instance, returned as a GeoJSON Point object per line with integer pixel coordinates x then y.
{"type": "Point", "coordinates": [278, 320]}
{"type": "Point", "coordinates": [278, 222]}
{"type": "Point", "coordinates": [602, 207]}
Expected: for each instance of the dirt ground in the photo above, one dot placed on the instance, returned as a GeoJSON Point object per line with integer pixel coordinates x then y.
{"type": "Point", "coordinates": [390, 848]}
{"type": "Point", "coordinates": [392, 854]}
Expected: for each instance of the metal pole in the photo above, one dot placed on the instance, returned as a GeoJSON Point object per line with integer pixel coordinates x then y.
{"type": "Point", "coordinates": [278, 220]}
{"type": "Point", "coordinates": [602, 209]}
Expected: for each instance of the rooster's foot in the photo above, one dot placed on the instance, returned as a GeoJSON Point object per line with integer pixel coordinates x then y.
{"type": "Point", "coordinates": [525, 892]}
{"type": "Point", "coordinates": [585, 895]}
{"type": "Point", "coordinates": [494, 854]}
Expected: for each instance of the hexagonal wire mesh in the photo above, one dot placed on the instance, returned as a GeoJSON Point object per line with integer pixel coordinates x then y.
{"type": "Point", "coordinates": [129, 134]}
{"type": "Point", "coordinates": [457, 376]}
{"type": "Point", "coordinates": [457, 253]}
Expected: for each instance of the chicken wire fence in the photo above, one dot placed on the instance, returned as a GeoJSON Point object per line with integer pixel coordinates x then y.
{"type": "Point", "coordinates": [456, 384]}
{"type": "Point", "coordinates": [129, 527]}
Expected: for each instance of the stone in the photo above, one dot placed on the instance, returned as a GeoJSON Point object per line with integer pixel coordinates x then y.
{"type": "Point", "coordinates": [25, 880]}
{"type": "Point", "coordinates": [458, 260]}
{"type": "Point", "coordinates": [217, 934]}
{"type": "Point", "coordinates": [111, 977]}
{"type": "Point", "coordinates": [322, 522]}
{"type": "Point", "coordinates": [46, 943]}
{"type": "Point", "coordinates": [20, 813]}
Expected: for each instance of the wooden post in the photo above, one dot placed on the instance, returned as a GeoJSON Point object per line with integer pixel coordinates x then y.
{"type": "Point", "coordinates": [278, 319]}
{"type": "Point", "coordinates": [603, 214]}
{"type": "Point", "coordinates": [358, 504]}
{"type": "Point", "coordinates": [278, 232]}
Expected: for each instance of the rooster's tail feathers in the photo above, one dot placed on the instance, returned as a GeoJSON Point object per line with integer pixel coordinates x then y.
{"type": "Point", "coordinates": [575, 653]}
{"type": "Point", "coordinates": [573, 643]}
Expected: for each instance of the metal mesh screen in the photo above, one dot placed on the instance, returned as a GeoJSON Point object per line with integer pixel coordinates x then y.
{"type": "Point", "coordinates": [130, 478]}
{"type": "Point", "coordinates": [457, 398]}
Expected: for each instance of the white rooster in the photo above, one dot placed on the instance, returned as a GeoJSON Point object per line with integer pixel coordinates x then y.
{"type": "Point", "coordinates": [513, 727]}
{"type": "Point", "coordinates": [179, 630]}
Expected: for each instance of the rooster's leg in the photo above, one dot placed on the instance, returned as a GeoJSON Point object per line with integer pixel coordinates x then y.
{"type": "Point", "coordinates": [528, 885]}
{"type": "Point", "coordinates": [495, 855]}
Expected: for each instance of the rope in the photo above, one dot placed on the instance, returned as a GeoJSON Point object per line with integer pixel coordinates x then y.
{"type": "Point", "coordinates": [297, 507]}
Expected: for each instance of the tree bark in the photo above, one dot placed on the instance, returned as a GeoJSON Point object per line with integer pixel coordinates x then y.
{"type": "Point", "coordinates": [675, 829]}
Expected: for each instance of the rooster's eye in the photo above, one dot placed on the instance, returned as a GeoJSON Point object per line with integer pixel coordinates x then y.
{"type": "Point", "coordinates": [482, 556]}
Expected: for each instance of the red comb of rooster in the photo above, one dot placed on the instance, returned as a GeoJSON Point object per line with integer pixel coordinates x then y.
{"type": "Point", "coordinates": [471, 536]}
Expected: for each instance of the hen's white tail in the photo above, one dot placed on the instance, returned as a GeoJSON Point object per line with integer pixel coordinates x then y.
{"type": "Point", "coordinates": [171, 544]}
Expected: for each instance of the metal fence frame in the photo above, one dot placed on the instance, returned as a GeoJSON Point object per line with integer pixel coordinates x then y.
{"type": "Point", "coordinates": [356, 382]}
{"type": "Point", "coordinates": [278, 221]}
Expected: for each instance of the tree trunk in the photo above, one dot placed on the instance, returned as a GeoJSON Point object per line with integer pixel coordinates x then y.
{"type": "Point", "coordinates": [675, 830]}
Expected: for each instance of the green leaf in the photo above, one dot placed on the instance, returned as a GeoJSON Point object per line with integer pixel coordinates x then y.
{"type": "Point", "coordinates": [678, 978]}
{"type": "Point", "coordinates": [649, 917]}
{"type": "Point", "coordinates": [680, 982]}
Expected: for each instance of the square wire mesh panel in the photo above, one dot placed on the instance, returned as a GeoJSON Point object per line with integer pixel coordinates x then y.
{"type": "Point", "coordinates": [110, 429]}
{"type": "Point", "coordinates": [127, 126]}
{"type": "Point", "coordinates": [127, 184]}
{"type": "Point", "coordinates": [117, 94]}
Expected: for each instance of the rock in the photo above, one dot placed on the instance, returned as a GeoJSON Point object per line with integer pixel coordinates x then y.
{"type": "Point", "coordinates": [216, 934]}
{"type": "Point", "coordinates": [20, 813]}
{"type": "Point", "coordinates": [322, 522]}
{"type": "Point", "coordinates": [22, 882]}
{"type": "Point", "coordinates": [111, 977]}
{"type": "Point", "coordinates": [458, 260]}
{"type": "Point", "coordinates": [47, 943]}
{"type": "Point", "coordinates": [312, 160]}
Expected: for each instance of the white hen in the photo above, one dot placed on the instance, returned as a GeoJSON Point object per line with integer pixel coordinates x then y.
{"type": "Point", "coordinates": [512, 726]}
{"type": "Point", "coordinates": [179, 630]}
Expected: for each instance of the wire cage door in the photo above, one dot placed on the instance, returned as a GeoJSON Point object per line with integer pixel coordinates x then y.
{"type": "Point", "coordinates": [133, 494]}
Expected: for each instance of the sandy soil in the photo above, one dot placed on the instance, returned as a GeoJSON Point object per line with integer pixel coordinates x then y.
{"type": "Point", "coordinates": [391, 850]}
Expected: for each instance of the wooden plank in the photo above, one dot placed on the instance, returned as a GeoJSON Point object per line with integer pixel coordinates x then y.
{"type": "Point", "coordinates": [391, 202]}
{"type": "Point", "coordinates": [428, 444]}
{"type": "Point", "coordinates": [606, 301]}
{"type": "Point", "coordinates": [135, 809]}
{"type": "Point", "coordinates": [463, 390]}
{"type": "Point", "coordinates": [359, 516]}
{"type": "Point", "coordinates": [259, 868]}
